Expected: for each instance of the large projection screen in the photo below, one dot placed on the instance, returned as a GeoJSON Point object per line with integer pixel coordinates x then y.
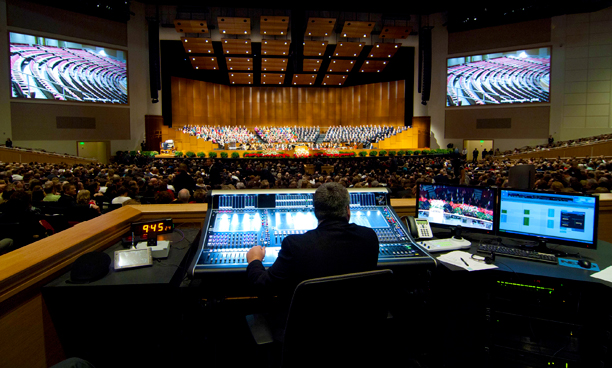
{"type": "Point", "coordinates": [51, 69]}
{"type": "Point", "coordinates": [513, 77]}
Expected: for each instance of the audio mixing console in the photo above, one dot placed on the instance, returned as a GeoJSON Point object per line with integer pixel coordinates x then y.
{"type": "Point", "coordinates": [238, 220]}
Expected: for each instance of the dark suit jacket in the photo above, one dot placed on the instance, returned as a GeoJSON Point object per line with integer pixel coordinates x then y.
{"type": "Point", "coordinates": [335, 247]}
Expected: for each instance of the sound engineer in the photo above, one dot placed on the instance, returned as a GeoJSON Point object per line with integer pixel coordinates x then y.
{"type": "Point", "coordinates": [335, 247]}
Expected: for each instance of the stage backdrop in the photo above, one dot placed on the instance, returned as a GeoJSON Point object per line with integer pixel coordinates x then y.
{"type": "Point", "coordinates": [203, 103]}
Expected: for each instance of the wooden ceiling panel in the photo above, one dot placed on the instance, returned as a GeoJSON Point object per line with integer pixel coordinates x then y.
{"type": "Point", "coordinates": [197, 45]}
{"type": "Point", "coordinates": [384, 50]}
{"type": "Point", "coordinates": [373, 66]}
{"type": "Point", "coordinates": [204, 62]}
{"type": "Point", "coordinates": [273, 64]}
{"type": "Point", "coordinates": [348, 49]}
{"type": "Point", "coordinates": [334, 79]}
{"type": "Point", "coordinates": [275, 47]}
{"type": "Point", "coordinates": [315, 48]}
{"type": "Point", "coordinates": [190, 26]}
{"type": "Point", "coordinates": [340, 66]}
{"type": "Point", "coordinates": [395, 32]}
{"type": "Point", "coordinates": [312, 65]}
{"type": "Point", "coordinates": [239, 63]}
{"type": "Point", "coordinates": [353, 29]}
{"type": "Point", "coordinates": [241, 78]}
{"type": "Point", "coordinates": [304, 79]}
{"type": "Point", "coordinates": [236, 47]}
{"type": "Point", "coordinates": [320, 27]}
{"type": "Point", "coordinates": [273, 25]}
{"type": "Point", "coordinates": [232, 25]}
{"type": "Point", "coordinates": [272, 78]}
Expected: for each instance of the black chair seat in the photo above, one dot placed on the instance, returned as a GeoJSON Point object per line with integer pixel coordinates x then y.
{"type": "Point", "coordinates": [333, 321]}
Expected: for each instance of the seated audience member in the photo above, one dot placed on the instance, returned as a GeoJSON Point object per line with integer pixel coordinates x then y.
{"type": "Point", "coordinates": [68, 197]}
{"type": "Point", "coordinates": [183, 196]}
{"type": "Point", "coordinates": [123, 195]}
{"type": "Point", "coordinates": [131, 201]}
{"type": "Point", "coordinates": [199, 196]}
{"type": "Point", "coordinates": [50, 192]}
{"type": "Point", "coordinates": [85, 208]}
{"type": "Point", "coordinates": [163, 197]}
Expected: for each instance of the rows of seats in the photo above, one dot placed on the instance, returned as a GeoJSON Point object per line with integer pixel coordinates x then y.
{"type": "Point", "coordinates": [67, 74]}
{"type": "Point", "coordinates": [500, 80]}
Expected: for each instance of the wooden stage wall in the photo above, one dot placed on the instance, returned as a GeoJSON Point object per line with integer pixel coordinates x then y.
{"type": "Point", "coordinates": [203, 103]}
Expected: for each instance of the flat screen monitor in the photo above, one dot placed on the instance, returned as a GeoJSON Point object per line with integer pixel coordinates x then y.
{"type": "Point", "coordinates": [559, 218]}
{"type": "Point", "coordinates": [50, 69]}
{"type": "Point", "coordinates": [500, 78]}
{"type": "Point", "coordinates": [455, 205]}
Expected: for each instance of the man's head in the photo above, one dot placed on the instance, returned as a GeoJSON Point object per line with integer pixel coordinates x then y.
{"type": "Point", "coordinates": [331, 200]}
{"type": "Point", "coordinates": [184, 195]}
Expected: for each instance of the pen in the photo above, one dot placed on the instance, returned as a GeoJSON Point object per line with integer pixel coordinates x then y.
{"type": "Point", "coordinates": [463, 260]}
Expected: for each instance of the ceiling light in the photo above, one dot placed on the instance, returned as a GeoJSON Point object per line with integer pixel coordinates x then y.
{"type": "Point", "coordinates": [185, 40]}
{"type": "Point", "coordinates": [336, 54]}
{"type": "Point", "coordinates": [266, 42]}
{"type": "Point", "coordinates": [282, 70]}
{"type": "Point", "coordinates": [294, 83]}
{"type": "Point", "coordinates": [265, 52]}
{"type": "Point", "coordinates": [340, 44]}
{"type": "Point", "coordinates": [389, 55]}
{"type": "Point", "coordinates": [326, 34]}
{"type": "Point", "coordinates": [245, 32]}
{"type": "Point", "coordinates": [359, 45]}
{"type": "Point", "coordinates": [309, 33]}
{"type": "Point", "coordinates": [223, 31]}
{"type": "Point", "coordinates": [285, 43]}
{"type": "Point", "coordinates": [279, 82]}
{"type": "Point", "coordinates": [229, 59]}
{"type": "Point", "coordinates": [317, 61]}
{"type": "Point", "coordinates": [193, 59]}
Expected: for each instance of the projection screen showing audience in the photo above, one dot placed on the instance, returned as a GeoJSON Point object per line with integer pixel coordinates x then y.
{"type": "Point", "coordinates": [49, 69]}
{"type": "Point", "coordinates": [521, 76]}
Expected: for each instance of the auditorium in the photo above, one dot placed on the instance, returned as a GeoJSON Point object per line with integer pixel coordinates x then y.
{"type": "Point", "coordinates": [154, 147]}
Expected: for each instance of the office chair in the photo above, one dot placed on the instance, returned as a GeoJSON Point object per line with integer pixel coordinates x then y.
{"type": "Point", "coordinates": [333, 321]}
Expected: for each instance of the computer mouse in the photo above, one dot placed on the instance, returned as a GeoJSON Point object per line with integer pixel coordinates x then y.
{"type": "Point", "coordinates": [584, 263]}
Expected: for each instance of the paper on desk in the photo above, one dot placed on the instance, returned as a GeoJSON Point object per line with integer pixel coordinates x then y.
{"type": "Point", "coordinates": [605, 274]}
{"type": "Point", "coordinates": [455, 258]}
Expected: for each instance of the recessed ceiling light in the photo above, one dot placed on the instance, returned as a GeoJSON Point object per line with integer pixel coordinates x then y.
{"type": "Point", "coordinates": [223, 31]}
{"type": "Point", "coordinates": [309, 33]}
{"type": "Point", "coordinates": [282, 70]}
{"type": "Point", "coordinates": [193, 59]}
{"type": "Point", "coordinates": [285, 43]}
{"type": "Point", "coordinates": [245, 32]}
{"type": "Point", "coordinates": [340, 44]}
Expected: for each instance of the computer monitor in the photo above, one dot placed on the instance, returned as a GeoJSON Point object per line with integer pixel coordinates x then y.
{"type": "Point", "coordinates": [446, 205]}
{"type": "Point", "coordinates": [559, 218]}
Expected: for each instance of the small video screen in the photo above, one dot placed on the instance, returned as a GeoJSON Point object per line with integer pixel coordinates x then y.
{"type": "Point", "coordinates": [469, 207]}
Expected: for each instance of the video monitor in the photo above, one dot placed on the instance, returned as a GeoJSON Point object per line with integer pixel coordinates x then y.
{"type": "Point", "coordinates": [49, 69]}
{"type": "Point", "coordinates": [454, 205]}
{"type": "Point", "coordinates": [514, 77]}
{"type": "Point", "coordinates": [560, 218]}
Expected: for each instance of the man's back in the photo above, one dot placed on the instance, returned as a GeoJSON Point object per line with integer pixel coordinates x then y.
{"type": "Point", "coordinates": [335, 247]}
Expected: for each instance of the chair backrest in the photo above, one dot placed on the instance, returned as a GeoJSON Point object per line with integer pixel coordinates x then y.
{"type": "Point", "coordinates": [333, 321]}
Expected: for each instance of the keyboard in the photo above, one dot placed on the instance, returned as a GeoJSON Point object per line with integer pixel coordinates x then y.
{"type": "Point", "coordinates": [528, 255]}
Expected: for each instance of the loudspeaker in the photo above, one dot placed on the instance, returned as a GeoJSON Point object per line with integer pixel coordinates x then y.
{"type": "Point", "coordinates": [154, 64]}
{"type": "Point", "coordinates": [424, 86]}
{"type": "Point", "coordinates": [521, 177]}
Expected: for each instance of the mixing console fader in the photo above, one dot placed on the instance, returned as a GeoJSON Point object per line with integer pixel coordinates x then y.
{"type": "Point", "coordinates": [238, 220]}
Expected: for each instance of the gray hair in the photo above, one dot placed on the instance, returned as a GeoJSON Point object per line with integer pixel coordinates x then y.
{"type": "Point", "coordinates": [330, 201]}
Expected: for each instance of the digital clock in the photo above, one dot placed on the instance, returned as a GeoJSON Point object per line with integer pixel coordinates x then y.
{"type": "Point", "coordinates": [152, 227]}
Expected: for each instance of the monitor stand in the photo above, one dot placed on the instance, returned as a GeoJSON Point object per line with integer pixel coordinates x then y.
{"type": "Point", "coordinates": [543, 248]}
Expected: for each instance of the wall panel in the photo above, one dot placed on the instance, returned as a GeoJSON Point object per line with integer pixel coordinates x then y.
{"type": "Point", "coordinates": [204, 103]}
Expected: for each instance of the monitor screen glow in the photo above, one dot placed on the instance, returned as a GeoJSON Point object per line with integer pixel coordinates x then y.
{"type": "Point", "coordinates": [563, 218]}
{"type": "Point", "coordinates": [514, 77]}
{"type": "Point", "coordinates": [449, 205]}
{"type": "Point", "coordinates": [50, 69]}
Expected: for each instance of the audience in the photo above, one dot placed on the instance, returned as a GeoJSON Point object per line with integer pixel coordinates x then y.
{"type": "Point", "coordinates": [26, 188]}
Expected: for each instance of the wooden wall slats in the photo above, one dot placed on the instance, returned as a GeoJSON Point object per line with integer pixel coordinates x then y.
{"type": "Point", "coordinates": [204, 103]}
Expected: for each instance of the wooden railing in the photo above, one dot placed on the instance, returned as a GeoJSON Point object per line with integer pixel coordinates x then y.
{"type": "Point", "coordinates": [16, 155]}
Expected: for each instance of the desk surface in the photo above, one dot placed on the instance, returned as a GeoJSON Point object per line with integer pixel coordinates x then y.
{"type": "Point", "coordinates": [163, 271]}
{"type": "Point", "coordinates": [602, 257]}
